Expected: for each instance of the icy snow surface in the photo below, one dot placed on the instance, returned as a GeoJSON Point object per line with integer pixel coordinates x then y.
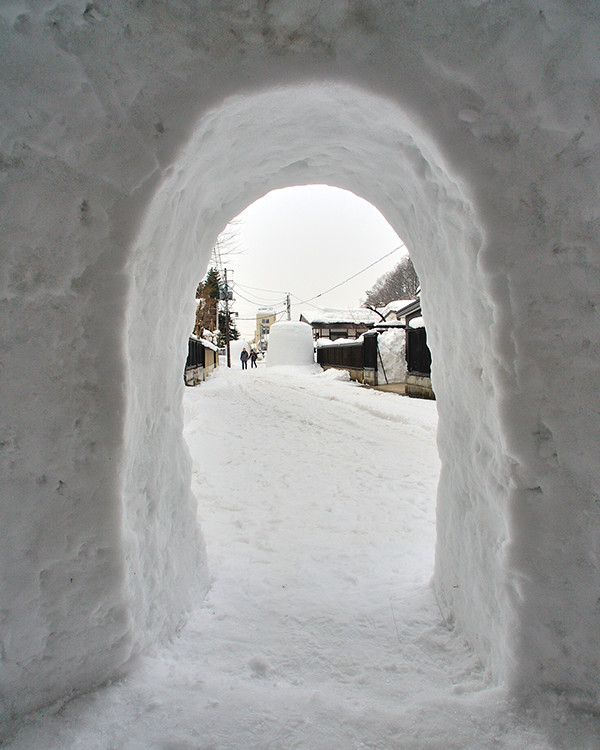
{"type": "Point", "coordinates": [320, 630]}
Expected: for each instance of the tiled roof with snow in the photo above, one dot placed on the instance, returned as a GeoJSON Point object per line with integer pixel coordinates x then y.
{"type": "Point", "coordinates": [331, 316]}
{"type": "Point", "coordinates": [206, 344]}
{"type": "Point", "coordinates": [396, 306]}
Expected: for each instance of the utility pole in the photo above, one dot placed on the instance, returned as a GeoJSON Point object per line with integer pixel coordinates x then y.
{"type": "Point", "coordinates": [288, 306]}
{"type": "Point", "coordinates": [227, 321]}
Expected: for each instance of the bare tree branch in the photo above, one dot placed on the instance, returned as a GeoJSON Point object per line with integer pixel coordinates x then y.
{"type": "Point", "coordinates": [401, 282]}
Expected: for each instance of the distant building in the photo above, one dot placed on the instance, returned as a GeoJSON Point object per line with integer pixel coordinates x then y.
{"type": "Point", "coordinates": [364, 359]}
{"type": "Point", "coordinates": [265, 317]}
{"type": "Point", "coordinates": [340, 324]}
{"type": "Point", "coordinates": [396, 310]}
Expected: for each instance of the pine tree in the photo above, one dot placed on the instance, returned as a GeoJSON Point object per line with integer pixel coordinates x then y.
{"type": "Point", "coordinates": [207, 300]}
{"type": "Point", "coordinates": [233, 331]}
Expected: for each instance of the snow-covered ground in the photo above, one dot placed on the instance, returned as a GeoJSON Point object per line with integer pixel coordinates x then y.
{"type": "Point", "coordinates": [320, 630]}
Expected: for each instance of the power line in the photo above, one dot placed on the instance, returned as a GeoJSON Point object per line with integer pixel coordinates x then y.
{"type": "Point", "coordinates": [275, 312]}
{"type": "Point", "coordinates": [257, 289]}
{"type": "Point", "coordinates": [252, 302]}
{"type": "Point", "coordinates": [354, 275]}
{"type": "Point", "coordinates": [274, 303]}
{"type": "Point", "coordinates": [254, 297]}
{"type": "Point", "coordinates": [304, 302]}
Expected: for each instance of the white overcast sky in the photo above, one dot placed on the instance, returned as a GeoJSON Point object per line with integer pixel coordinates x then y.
{"type": "Point", "coordinates": [304, 240]}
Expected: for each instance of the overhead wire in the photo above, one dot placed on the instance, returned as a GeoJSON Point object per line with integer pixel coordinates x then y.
{"type": "Point", "coordinates": [264, 298]}
{"type": "Point", "coordinates": [274, 312]}
{"type": "Point", "coordinates": [257, 289]}
{"type": "Point", "coordinates": [354, 275]}
{"type": "Point", "coordinates": [257, 301]}
{"type": "Point", "coordinates": [252, 302]}
{"type": "Point", "coordinates": [304, 302]}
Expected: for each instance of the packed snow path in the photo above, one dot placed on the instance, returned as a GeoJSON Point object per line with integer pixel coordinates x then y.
{"type": "Point", "coordinates": [320, 630]}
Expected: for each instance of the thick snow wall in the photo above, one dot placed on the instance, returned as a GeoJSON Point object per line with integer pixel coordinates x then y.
{"type": "Point", "coordinates": [290, 344]}
{"type": "Point", "coordinates": [130, 135]}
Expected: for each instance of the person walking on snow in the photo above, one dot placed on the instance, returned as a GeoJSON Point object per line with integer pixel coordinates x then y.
{"type": "Point", "coordinates": [244, 358]}
{"type": "Point", "coordinates": [253, 358]}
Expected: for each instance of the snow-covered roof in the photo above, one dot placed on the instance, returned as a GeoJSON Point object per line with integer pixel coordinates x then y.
{"type": "Point", "coordinates": [337, 342]}
{"type": "Point", "coordinates": [209, 345]}
{"type": "Point", "coordinates": [396, 306]}
{"type": "Point", "coordinates": [332, 316]}
{"type": "Point", "coordinates": [206, 344]}
{"type": "Point", "coordinates": [389, 324]}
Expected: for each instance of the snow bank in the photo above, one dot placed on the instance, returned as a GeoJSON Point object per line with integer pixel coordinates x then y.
{"type": "Point", "coordinates": [392, 349]}
{"type": "Point", "coordinates": [131, 135]}
{"type": "Point", "coordinates": [290, 344]}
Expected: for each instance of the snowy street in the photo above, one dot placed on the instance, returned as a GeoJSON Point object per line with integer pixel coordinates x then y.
{"type": "Point", "coordinates": [320, 630]}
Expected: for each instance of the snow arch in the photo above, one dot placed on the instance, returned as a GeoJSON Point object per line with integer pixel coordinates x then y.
{"type": "Point", "coordinates": [319, 133]}
{"type": "Point", "coordinates": [132, 136]}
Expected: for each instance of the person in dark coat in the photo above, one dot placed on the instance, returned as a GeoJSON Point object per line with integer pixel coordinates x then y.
{"type": "Point", "coordinates": [244, 358]}
{"type": "Point", "coordinates": [253, 358]}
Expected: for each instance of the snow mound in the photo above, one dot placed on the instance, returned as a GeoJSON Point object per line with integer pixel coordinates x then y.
{"type": "Point", "coordinates": [290, 343]}
{"type": "Point", "coordinates": [393, 354]}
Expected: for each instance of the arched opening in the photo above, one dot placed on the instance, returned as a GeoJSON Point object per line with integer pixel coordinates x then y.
{"type": "Point", "coordinates": [473, 129]}
{"type": "Point", "coordinates": [326, 233]}
{"type": "Point", "coordinates": [328, 134]}
{"type": "Point", "coordinates": [301, 251]}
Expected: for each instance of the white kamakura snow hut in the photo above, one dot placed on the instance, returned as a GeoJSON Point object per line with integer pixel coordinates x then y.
{"type": "Point", "coordinates": [131, 134]}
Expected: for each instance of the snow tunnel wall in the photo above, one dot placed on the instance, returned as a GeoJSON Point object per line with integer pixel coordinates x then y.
{"type": "Point", "coordinates": [130, 135]}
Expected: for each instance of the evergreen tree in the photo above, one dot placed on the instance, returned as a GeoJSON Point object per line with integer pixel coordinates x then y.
{"type": "Point", "coordinates": [233, 331]}
{"type": "Point", "coordinates": [207, 300]}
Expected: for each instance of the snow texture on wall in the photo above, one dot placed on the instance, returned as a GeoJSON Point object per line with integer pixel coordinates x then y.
{"type": "Point", "coordinates": [131, 133]}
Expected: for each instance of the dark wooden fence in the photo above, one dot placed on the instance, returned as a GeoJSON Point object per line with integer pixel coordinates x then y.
{"type": "Point", "coordinates": [195, 357]}
{"type": "Point", "coordinates": [363, 355]}
{"type": "Point", "coordinates": [418, 356]}
{"type": "Point", "coordinates": [352, 355]}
